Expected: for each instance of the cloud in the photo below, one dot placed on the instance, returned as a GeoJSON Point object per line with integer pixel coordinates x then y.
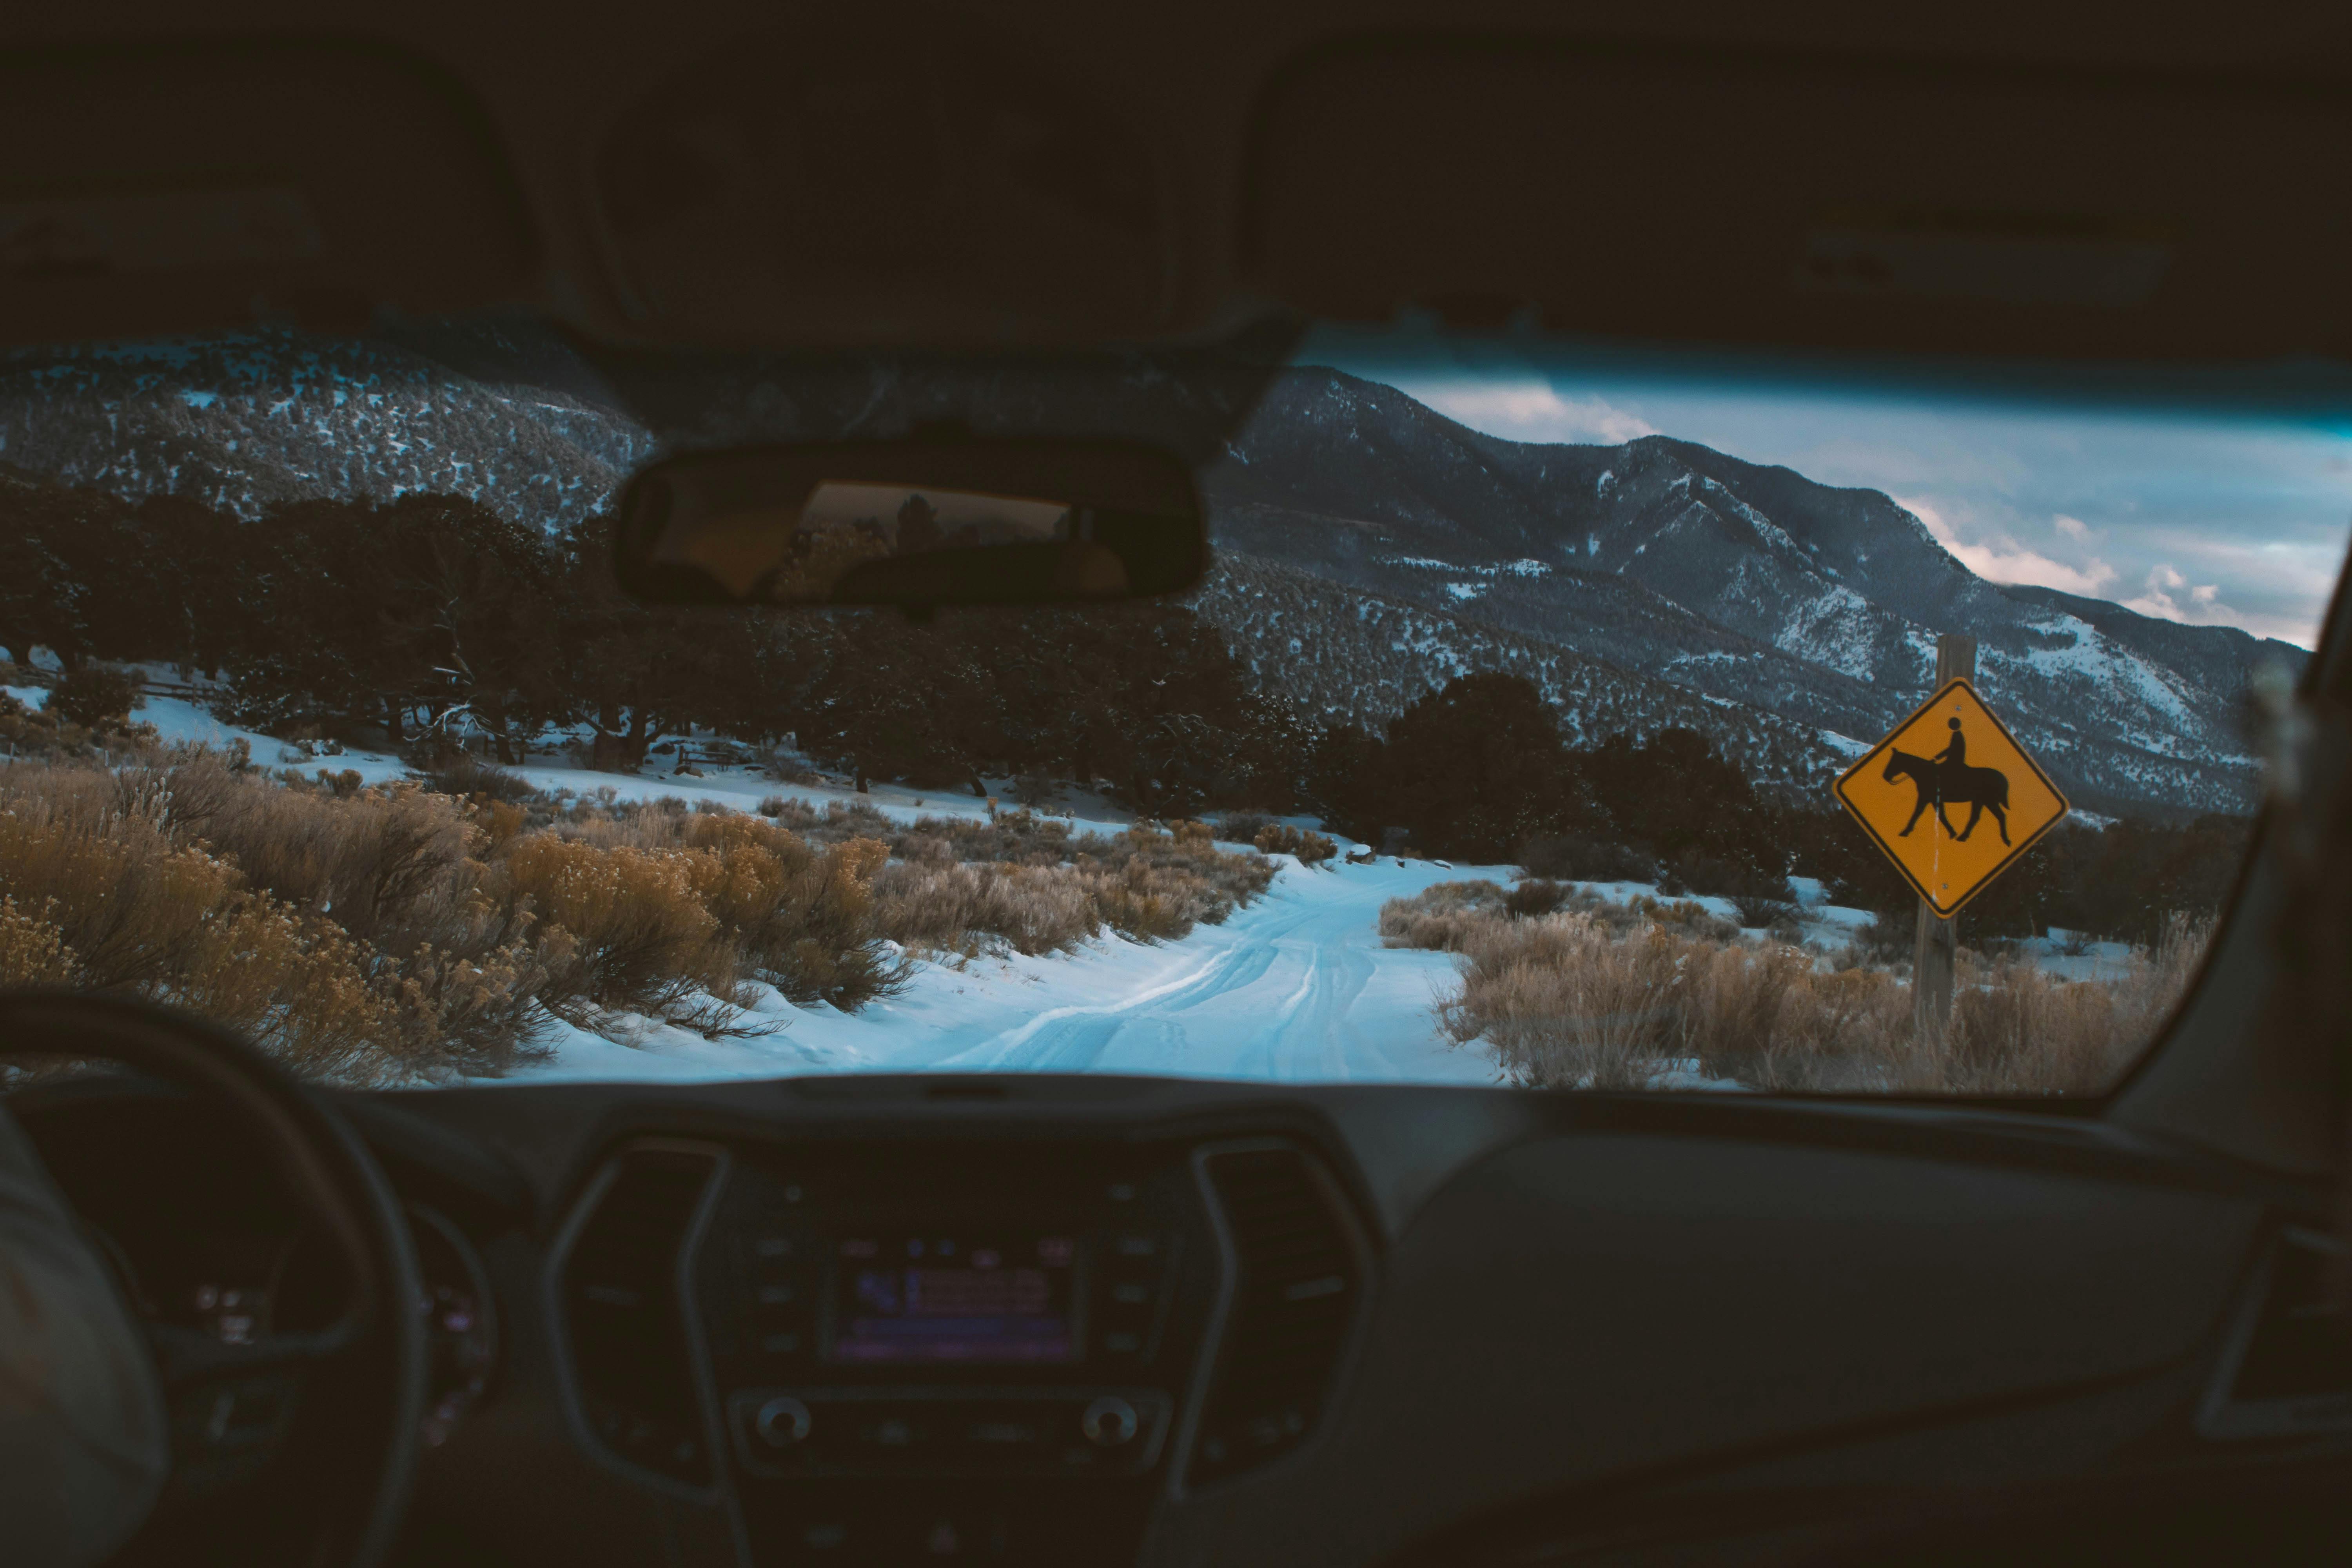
{"type": "Point", "coordinates": [2074, 527]}
{"type": "Point", "coordinates": [1532, 411]}
{"type": "Point", "coordinates": [2204, 607]}
{"type": "Point", "coordinates": [1999, 558]}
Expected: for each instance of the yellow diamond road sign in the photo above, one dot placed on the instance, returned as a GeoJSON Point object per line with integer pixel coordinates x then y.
{"type": "Point", "coordinates": [1951, 797]}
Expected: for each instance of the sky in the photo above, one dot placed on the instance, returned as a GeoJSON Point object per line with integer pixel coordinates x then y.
{"type": "Point", "coordinates": [2210, 517]}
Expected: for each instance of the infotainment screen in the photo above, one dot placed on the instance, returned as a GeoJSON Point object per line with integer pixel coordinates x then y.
{"type": "Point", "coordinates": [937, 1298]}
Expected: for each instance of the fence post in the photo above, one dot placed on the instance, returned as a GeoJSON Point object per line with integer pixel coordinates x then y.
{"type": "Point", "coordinates": [1935, 953]}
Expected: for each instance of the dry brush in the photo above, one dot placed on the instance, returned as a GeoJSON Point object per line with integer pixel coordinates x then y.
{"type": "Point", "coordinates": [398, 933]}
{"type": "Point", "coordinates": [1599, 995]}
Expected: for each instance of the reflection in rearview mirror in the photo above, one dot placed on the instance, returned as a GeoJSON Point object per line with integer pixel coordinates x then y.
{"type": "Point", "coordinates": [968, 522]}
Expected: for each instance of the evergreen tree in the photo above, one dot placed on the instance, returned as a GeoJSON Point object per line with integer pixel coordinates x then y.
{"type": "Point", "coordinates": [1473, 769]}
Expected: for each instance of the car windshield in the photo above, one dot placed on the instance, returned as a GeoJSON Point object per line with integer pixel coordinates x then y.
{"type": "Point", "coordinates": [1526, 730]}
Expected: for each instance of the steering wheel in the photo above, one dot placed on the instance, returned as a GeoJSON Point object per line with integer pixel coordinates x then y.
{"type": "Point", "coordinates": [232, 1404]}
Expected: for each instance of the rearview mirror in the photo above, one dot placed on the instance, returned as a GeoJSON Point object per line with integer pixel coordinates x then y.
{"type": "Point", "coordinates": [917, 523]}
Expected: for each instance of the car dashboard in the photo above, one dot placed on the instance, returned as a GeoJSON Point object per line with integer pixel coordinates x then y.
{"type": "Point", "coordinates": [1106, 1320]}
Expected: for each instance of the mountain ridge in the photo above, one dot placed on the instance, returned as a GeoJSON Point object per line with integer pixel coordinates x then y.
{"type": "Point", "coordinates": [1791, 620]}
{"type": "Point", "coordinates": [1746, 581]}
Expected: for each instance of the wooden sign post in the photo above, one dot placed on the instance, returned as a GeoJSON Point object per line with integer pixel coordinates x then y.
{"type": "Point", "coordinates": [1935, 951]}
{"type": "Point", "coordinates": [1952, 758]}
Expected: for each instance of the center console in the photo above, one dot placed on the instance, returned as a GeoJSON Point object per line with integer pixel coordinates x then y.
{"type": "Point", "coordinates": [943, 1350]}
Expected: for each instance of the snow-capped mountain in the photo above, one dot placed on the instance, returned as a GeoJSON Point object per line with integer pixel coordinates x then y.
{"type": "Point", "coordinates": [1748, 584]}
{"type": "Point", "coordinates": [1355, 656]}
{"type": "Point", "coordinates": [1371, 547]}
{"type": "Point", "coordinates": [246, 421]}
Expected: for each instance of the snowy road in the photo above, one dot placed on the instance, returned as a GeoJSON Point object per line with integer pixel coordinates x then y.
{"type": "Point", "coordinates": [1296, 987]}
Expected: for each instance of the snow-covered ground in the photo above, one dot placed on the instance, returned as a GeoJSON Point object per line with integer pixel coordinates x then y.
{"type": "Point", "coordinates": [1295, 988]}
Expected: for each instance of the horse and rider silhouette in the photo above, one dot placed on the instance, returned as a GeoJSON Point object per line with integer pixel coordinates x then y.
{"type": "Point", "coordinates": [1947, 779]}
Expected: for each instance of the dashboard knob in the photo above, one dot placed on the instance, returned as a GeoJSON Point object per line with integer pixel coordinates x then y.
{"type": "Point", "coordinates": [1109, 1422]}
{"type": "Point", "coordinates": [781, 1422]}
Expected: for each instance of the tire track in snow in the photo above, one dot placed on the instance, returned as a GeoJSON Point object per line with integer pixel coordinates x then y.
{"type": "Point", "coordinates": [1291, 983]}
{"type": "Point", "coordinates": [1070, 1040]}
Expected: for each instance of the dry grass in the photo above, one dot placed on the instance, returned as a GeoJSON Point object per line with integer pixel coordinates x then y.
{"type": "Point", "coordinates": [101, 896]}
{"type": "Point", "coordinates": [1016, 837]}
{"type": "Point", "coordinates": [1441, 917]}
{"type": "Point", "coordinates": [393, 934]}
{"type": "Point", "coordinates": [948, 906]}
{"type": "Point", "coordinates": [1311, 849]}
{"type": "Point", "coordinates": [645, 942]}
{"type": "Point", "coordinates": [1571, 999]}
{"type": "Point", "coordinates": [1030, 884]}
{"type": "Point", "coordinates": [358, 936]}
{"type": "Point", "coordinates": [1444, 916]}
{"type": "Point", "coordinates": [802, 917]}
{"type": "Point", "coordinates": [33, 950]}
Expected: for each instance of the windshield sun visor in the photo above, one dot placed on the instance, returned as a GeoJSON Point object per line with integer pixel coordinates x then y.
{"type": "Point", "coordinates": [192, 187]}
{"type": "Point", "coordinates": [1817, 203]}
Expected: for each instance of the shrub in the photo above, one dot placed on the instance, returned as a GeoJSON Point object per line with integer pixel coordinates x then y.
{"type": "Point", "coordinates": [1185, 866]}
{"type": "Point", "coordinates": [1243, 826]}
{"type": "Point", "coordinates": [958, 906]}
{"type": "Point", "coordinates": [1763, 912]}
{"type": "Point", "coordinates": [1311, 849]}
{"type": "Point", "coordinates": [93, 696]}
{"type": "Point", "coordinates": [478, 1011]}
{"type": "Point", "coordinates": [1028, 882]}
{"type": "Point", "coordinates": [386, 868]}
{"type": "Point", "coordinates": [391, 934]}
{"type": "Point", "coordinates": [644, 942]}
{"type": "Point", "coordinates": [33, 950]}
{"type": "Point", "coordinates": [464, 775]}
{"type": "Point", "coordinates": [852, 819]}
{"type": "Point", "coordinates": [1021, 837]}
{"type": "Point", "coordinates": [1686, 915]}
{"type": "Point", "coordinates": [1034, 789]}
{"type": "Point", "coordinates": [300, 989]}
{"type": "Point", "coordinates": [132, 912]}
{"type": "Point", "coordinates": [1886, 939]}
{"type": "Point", "coordinates": [1581, 859]}
{"type": "Point", "coordinates": [1563, 1004]}
{"type": "Point", "coordinates": [1565, 1001]}
{"type": "Point", "coordinates": [801, 918]}
{"type": "Point", "coordinates": [1535, 896]}
{"type": "Point", "coordinates": [789, 770]}
{"type": "Point", "coordinates": [1439, 917]}
{"type": "Point", "coordinates": [1729, 878]}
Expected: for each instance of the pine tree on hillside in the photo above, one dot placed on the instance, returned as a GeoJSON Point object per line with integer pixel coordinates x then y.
{"type": "Point", "coordinates": [1470, 770]}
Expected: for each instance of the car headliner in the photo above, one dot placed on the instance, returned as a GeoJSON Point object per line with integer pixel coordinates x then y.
{"type": "Point", "coordinates": [1193, 84]}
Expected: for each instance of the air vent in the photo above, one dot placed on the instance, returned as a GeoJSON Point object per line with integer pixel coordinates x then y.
{"type": "Point", "coordinates": [2288, 1370]}
{"type": "Point", "coordinates": [630, 1353]}
{"type": "Point", "coordinates": [1295, 1297]}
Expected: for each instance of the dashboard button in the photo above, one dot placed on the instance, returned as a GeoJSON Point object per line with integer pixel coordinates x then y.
{"type": "Point", "coordinates": [1002, 1435]}
{"type": "Point", "coordinates": [891, 1432]}
{"type": "Point", "coordinates": [781, 1422]}
{"type": "Point", "coordinates": [1109, 1422]}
